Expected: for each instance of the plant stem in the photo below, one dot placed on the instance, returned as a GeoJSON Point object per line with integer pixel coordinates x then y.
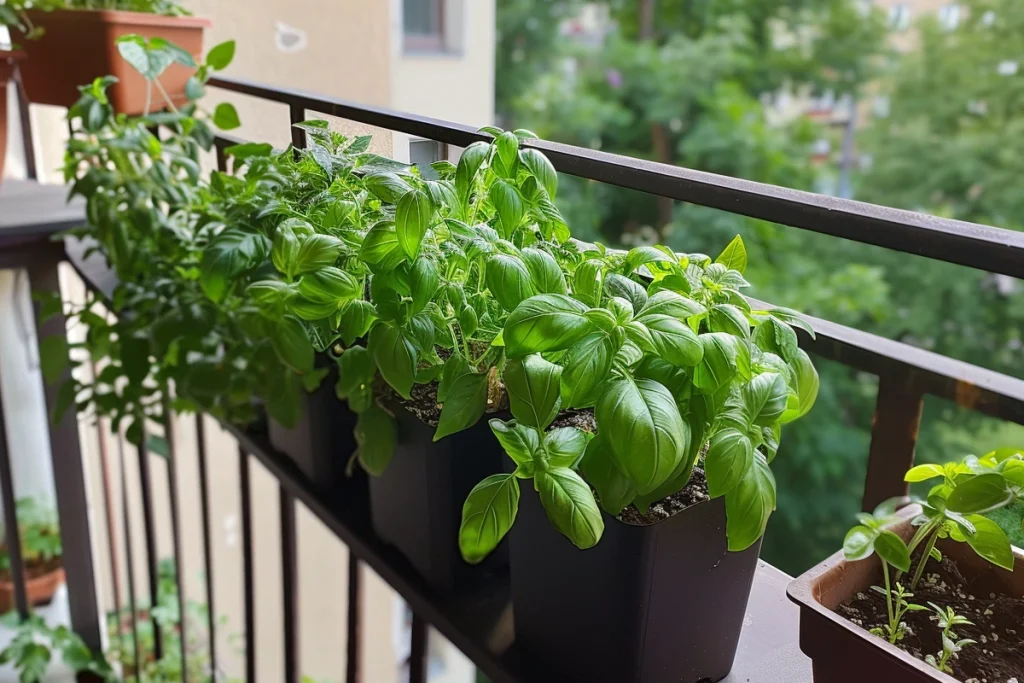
{"type": "Point", "coordinates": [925, 554]}
{"type": "Point", "coordinates": [167, 98]}
{"type": "Point", "coordinates": [888, 602]}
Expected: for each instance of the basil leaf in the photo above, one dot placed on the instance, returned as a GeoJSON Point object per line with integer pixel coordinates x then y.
{"type": "Point", "coordinates": [749, 505]}
{"type": "Point", "coordinates": [519, 442]}
{"type": "Point", "coordinates": [387, 187]}
{"type": "Point", "coordinates": [586, 366]}
{"type": "Point", "coordinates": [990, 542]}
{"type": "Point", "coordinates": [290, 341]}
{"type": "Point", "coordinates": [730, 455]}
{"type": "Point", "coordinates": [376, 436]}
{"type": "Point", "coordinates": [285, 250]}
{"type": "Point", "coordinates": [533, 390]}
{"type": "Point", "coordinates": [456, 366]}
{"type": "Point", "coordinates": [650, 434]}
{"type": "Point", "coordinates": [734, 256]}
{"type": "Point", "coordinates": [728, 318]}
{"type": "Point", "coordinates": [395, 355]}
{"type": "Point", "coordinates": [859, 543]}
{"type": "Point", "coordinates": [982, 493]}
{"type": "Point", "coordinates": [412, 218]}
{"type": "Point", "coordinates": [487, 515]}
{"type": "Point", "coordinates": [570, 506]}
{"type": "Point", "coordinates": [621, 286]}
{"type": "Point", "coordinates": [546, 322]}
{"type": "Point", "coordinates": [805, 385]}
{"type": "Point", "coordinates": [228, 255]}
{"type": "Point", "coordinates": [545, 273]}
{"type": "Point", "coordinates": [317, 251]}
{"type": "Point", "coordinates": [329, 285]}
{"type": "Point", "coordinates": [542, 170]}
{"type": "Point", "coordinates": [639, 256]}
{"type": "Point", "coordinates": [923, 473]}
{"type": "Point", "coordinates": [469, 164]}
{"type": "Point", "coordinates": [464, 404]}
{"type": "Point", "coordinates": [893, 550]}
{"type": "Point", "coordinates": [380, 247]}
{"type": "Point", "coordinates": [509, 206]}
{"type": "Point", "coordinates": [765, 398]}
{"type": "Point", "coordinates": [673, 340]}
{"type": "Point", "coordinates": [508, 280]}
{"type": "Point", "coordinates": [588, 282]}
{"type": "Point", "coordinates": [665, 302]}
{"type": "Point", "coordinates": [792, 318]}
{"type": "Point", "coordinates": [423, 281]}
{"type": "Point", "coordinates": [506, 162]}
{"type": "Point", "coordinates": [356, 371]}
{"type": "Point", "coordinates": [614, 489]}
{"type": "Point", "coordinates": [719, 363]}
{"type": "Point", "coordinates": [564, 446]}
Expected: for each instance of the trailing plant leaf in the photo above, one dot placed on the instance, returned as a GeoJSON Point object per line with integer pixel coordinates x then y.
{"type": "Point", "coordinates": [488, 514]}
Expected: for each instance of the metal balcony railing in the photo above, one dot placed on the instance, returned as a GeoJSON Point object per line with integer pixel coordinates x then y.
{"type": "Point", "coordinates": [477, 624]}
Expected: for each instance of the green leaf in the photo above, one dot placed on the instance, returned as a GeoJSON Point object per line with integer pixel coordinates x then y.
{"type": "Point", "coordinates": [587, 365]}
{"type": "Point", "coordinates": [53, 357]}
{"type": "Point", "coordinates": [469, 165]}
{"type": "Point", "coordinates": [923, 473]}
{"type": "Point", "coordinates": [982, 493]}
{"type": "Point", "coordinates": [639, 256]}
{"type": "Point", "coordinates": [464, 404]}
{"type": "Point", "coordinates": [285, 250]}
{"type": "Point", "coordinates": [380, 247]}
{"type": "Point", "coordinates": [729, 458]}
{"type": "Point", "coordinates": [423, 281]}
{"type": "Point", "coordinates": [673, 340]}
{"type": "Point", "coordinates": [329, 285]}
{"type": "Point", "coordinates": [614, 489]}
{"type": "Point", "coordinates": [387, 187]}
{"type": "Point", "coordinates": [793, 319]}
{"type": "Point", "coordinates": [564, 446]}
{"type": "Point", "coordinates": [454, 367]}
{"type": "Point", "coordinates": [728, 318]}
{"type": "Point", "coordinates": [506, 160]}
{"type": "Point", "coordinates": [221, 55]}
{"type": "Point", "coordinates": [893, 550]}
{"type": "Point", "coordinates": [570, 506]}
{"type": "Point", "coordinates": [588, 282]}
{"type": "Point", "coordinates": [317, 251]}
{"type": "Point", "coordinates": [227, 256]}
{"type": "Point", "coordinates": [542, 170]}
{"type": "Point", "coordinates": [764, 398]}
{"type": "Point", "coordinates": [665, 302]}
{"type": "Point", "coordinates": [650, 436]}
{"type": "Point", "coordinates": [248, 150]}
{"type": "Point", "coordinates": [412, 219]}
{"type": "Point", "coordinates": [806, 382]}
{"type": "Point", "coordinates": [65, 399]}
{"type": "Point", "coordinates": [546, 322]}
{"type": "Point", "coordinates": [621, 286]}
{"type": "Point", "coordinates": [376, 437]}
{"type": "Point", "coordinates": [990, 542]}
{"type": "Point", "coordinates": [533, 390]}
{"type": "Point", "coordinates": [509, 206]}
{"type": "Point", "coordinates": [487, 515]}
{"type": "Point", "coordinates": [395, 355]}
{"type": "Point", "coordinates": [519, 442]}
{"type": "Point", "coordinates": [859, 543]}
{"type": "Point", "coordinates": [545, 274]}
{"type": "Point", "coordinates": [719, 363]}
{"type": "Point", "coordinates": [749, 505]}
{"type": "Point", "coordinates": [734, 256]}
{"type": "Point", "coordinates": [508, 280]}
{"type": "Point", "coordinates": [290, 341]}
{"type": "Point", "coordinates": [225, 116]}
{"type": "Point", "coordinates": [356, 318]}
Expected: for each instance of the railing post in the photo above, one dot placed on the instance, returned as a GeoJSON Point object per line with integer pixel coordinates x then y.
{"type": "Point", "coordinates": [893, 440]}
{"type": "Point", "coordinates": [68, 467]}
{"type": "Point", "coordinates": [28, 144]}
{"type": "Point", "coordinates": [12, 533]}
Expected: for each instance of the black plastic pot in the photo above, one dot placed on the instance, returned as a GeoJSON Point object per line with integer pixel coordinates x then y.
{"type": "Point", "coordinates": [323, 441]}
{"type": "Point", "coordinates": [654, 604]}
{"type": "Point", "coordinates": [416, 505]}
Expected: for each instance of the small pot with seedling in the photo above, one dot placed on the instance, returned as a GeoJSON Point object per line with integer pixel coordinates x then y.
{"type": "Point", "coordinates": [931, 593]}
{"type": "Point", "coordinates": [71, 42]}
{"type": "Point", "coordinates": [41, 553]}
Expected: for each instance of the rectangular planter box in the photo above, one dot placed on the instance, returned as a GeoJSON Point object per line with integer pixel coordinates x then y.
{"type": "Point", "coordinates": [416, 505]}
{"type": "Point", "coordinates": [323, 441]}
{"type": "Point", "coordinates": [648, 604]}
{"type": "Point", "coordinates": [842, 651]}
{"type": "Point", "coordinates": [79, 46]}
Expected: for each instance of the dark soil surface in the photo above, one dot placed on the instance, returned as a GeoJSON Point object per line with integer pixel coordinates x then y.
{"type": "Point", "coordinates": [696, 491]}
{"type": "Point", "coordinates": [580, 419]}
{"type": "Point", "coordinates": [34, 569]}
{"type": "Point", "coordinates": [998, 656]}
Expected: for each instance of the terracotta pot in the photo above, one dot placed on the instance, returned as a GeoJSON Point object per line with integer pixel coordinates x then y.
{"type": "Point", "coordinates": [8, 61]}
{"type": "Point", "coordinates": [833, 642]}
{"type": "Point", "coordinates": [40, 589]}
{"type": "Point", "coordinates": [79, 45]}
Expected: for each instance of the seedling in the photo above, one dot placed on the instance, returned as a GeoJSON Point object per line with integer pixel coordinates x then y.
{"type": "Point", "coordinates": [946, 619]}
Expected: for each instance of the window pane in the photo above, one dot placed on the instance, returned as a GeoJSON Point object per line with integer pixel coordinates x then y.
{"type": "Point", "coordinates": [422, 17]}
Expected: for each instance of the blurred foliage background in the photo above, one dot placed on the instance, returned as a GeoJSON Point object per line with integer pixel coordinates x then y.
{"type": "Point", "coordinates": [696, 83]}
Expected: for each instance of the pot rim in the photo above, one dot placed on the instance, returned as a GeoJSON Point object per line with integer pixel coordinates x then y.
{"type": "Point", "coordinates": [109, 16]}
{"type": "Point", "coordinates": [801, 591]}
{"type": "Point", "coordinates": [57, 573]}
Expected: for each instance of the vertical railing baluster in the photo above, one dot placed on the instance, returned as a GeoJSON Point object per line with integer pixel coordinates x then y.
{"type": "Point", "coordinates": [129, 561]}
{"type": "Point", "coordinates": [222, 159]}
{"type": "Point", "coordinates": [418, 651]}
{"type": "Point", "coordinates": [108, 508]}
{"type": "Point", "coordinates": [290, 586]}
{"type": "Point", "coordinates": [152, 561]}
{"type": "Point", "coordinates": [355, 600]}
{"type": "Point", "coordinates": [172, 486]}
{"type": "Point", "coordinates": [297, 115]}
{"type": "Point", "coordinates": [28, 144]}
{"type": "Point", "coordinates": [893, 440]}
{"type": "Point", "coordinates": [68, 463]}
{"type": "Point", "coordinates": [12, 534]}
{"type": "Point", "coordinates": [204, 505]}
{"type": "Point", "coordinates": [247, 567]}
